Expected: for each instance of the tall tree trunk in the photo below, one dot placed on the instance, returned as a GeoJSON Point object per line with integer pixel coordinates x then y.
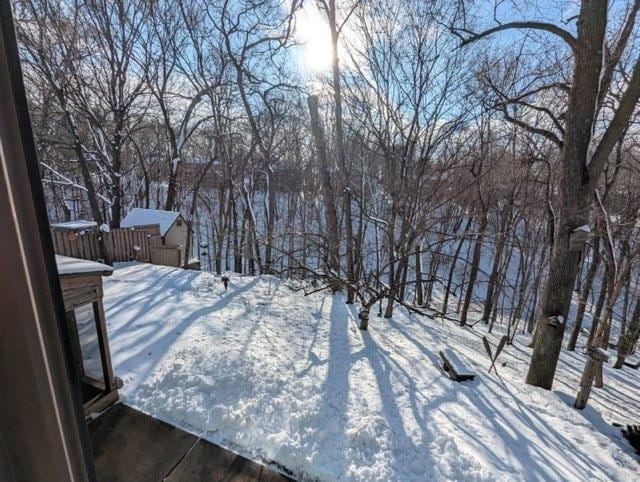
{"type": "Point", "coordinates": [595, 357]}
{"type": "Point", "coordinates": [391, 247]}
{"type": "Point", "coordinates": [419, 288]}
{"type": "Point", "coordinates": [452, 268]}
{"type": "Point", "coordinates": [475, 265]}
{"type": "Point", "coordinates": [333, 235]}
{"type": "Point", "coordinates": [584, 295]}
{"type": "Point", "coordinates": [602, 296]}
{"type": "Point", "coordinates": [238, 244]}
{"type": "Point", "coordinates": [625, 312]}
{"type": "Point", "coordinates": [580, 173]}
{"type": "Point", "coordinates": [630, 337]}
{"type": "Point", "coordinates": [403, 277]}
{"type": "Point", "coordinates": [116, 169]}
{"type": "Point", "coordinates": [271, 217]}
{"type": "Point", "coordinates": [174, 168]}
{"type": "Point", "coordinates": [78, 148]}
{"type": "Point", "coordinates": [340, 151]}
{"type": "Point", "coordinates": [576, 190]}
{"type": "Point", "coordinates": [192, 212]}
{"type": "Point", "coordinates": [493, 277]}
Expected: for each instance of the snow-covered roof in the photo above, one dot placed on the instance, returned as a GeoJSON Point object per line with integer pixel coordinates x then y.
{"type": "Point", "coordinates": [67, 265]}
{"type": "Point", "coordinates": [79, 224]}
{"type": "Point", "coordinates": [142, 217]}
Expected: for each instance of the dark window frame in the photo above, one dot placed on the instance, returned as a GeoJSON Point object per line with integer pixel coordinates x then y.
{"type": "Point", "coordinates": [43, 432]}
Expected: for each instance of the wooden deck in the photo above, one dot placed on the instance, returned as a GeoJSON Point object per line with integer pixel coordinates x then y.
{"type": "Point", "coordinates": [131, 446]}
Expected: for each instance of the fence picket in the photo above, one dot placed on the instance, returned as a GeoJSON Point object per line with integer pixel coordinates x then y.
{"type": "Point", "coordinates": [119, 243]}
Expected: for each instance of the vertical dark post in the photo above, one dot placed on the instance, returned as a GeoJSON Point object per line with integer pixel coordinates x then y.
{"type": "Point", "coordinates": [44, 436]}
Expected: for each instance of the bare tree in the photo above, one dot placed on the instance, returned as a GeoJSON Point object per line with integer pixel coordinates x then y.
{"type": "Point", "coordinates": [583, 156]}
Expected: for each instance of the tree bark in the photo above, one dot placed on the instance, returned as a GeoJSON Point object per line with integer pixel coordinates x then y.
{"type": "Point", "coordinates": [419, 287]}
{"type": "Point", "coordinates": [475, 265]}
{"type": "Point", "coordinates": [340, 151]}
{"type": "Point", "coordinates": [576, 191]}
{"type": "Point", "coordinates": [493, 277]}
{"type": "Point", "coordinates": [454, 262]}
{"type": "Point", "coordinates": [584, 295]}
{"type": "Point", "coordinates": [602, 296]}
{"type": "Point", "coordinates": [271, 218]}
{"type": "Point", "coordinates": [630, 337]}
{"type": "Point", "coordinates": [333, 238]}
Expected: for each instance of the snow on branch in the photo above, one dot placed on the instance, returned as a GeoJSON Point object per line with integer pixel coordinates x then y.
{"type": "Point", "coordinates": [65, 181]}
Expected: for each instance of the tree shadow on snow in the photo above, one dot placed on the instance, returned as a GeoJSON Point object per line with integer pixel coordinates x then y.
{"type": "Point", "coordinates": [161, 342]}
{"type": "Point", "coordinates": [594, 417]}
{"type": "Point", "coordinates": [547, 455]}
{"type": "Point", "coordinates": [333, 406]}
{"type": "Point", "coordinates": [538, 461]}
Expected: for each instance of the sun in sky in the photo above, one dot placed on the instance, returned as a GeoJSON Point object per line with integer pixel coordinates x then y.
{"type": "Point", "coordinates": [312, 31]}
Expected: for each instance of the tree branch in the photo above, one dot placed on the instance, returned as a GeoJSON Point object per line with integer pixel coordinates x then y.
{"type": "Point", "coordinates": [527, 25]}
{"type": "Point", "coordinates": [534, 130]}
{"type": "Point", "coordinates": [616, 54]}
{"type": "Point", "coordinates": [618, 124]}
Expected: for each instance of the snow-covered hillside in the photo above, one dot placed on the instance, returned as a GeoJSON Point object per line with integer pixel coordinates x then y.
{"type": "Point", "coordinates": [291, 381]}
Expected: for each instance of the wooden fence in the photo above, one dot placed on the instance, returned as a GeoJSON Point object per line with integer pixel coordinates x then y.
{"type": "Point", "coordinates": [140, 243]}
{"type": "Point", "coordinates": [166, 255]}
{"type": "Point", "coordinates": [153, 231]}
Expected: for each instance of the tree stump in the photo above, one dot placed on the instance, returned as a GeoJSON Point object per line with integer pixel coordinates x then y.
{"type": "Point", "coordinates": [363, 315]}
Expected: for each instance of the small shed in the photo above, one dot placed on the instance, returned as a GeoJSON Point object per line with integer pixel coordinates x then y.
{"type": "Point", "coordinates": [81, 283]}
{"type": "Point", "coordinates": [173, 227]}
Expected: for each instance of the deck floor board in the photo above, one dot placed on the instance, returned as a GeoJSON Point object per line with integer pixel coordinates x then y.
{"type": "Point", "coordinates": [129, 445]}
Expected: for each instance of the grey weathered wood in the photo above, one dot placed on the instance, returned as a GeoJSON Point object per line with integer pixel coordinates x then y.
{"type": "Point", "coordinates": [78, 290]}
{"type": "Point", "coordinates": [129, 445]}
{"type": "Point", "coordinates": [118, 242]}
{"type": "Point", "coordinates": [72, 326]}
{"type": "Point", "coordinates": [103, 343]}
{"type": "Point", "coordinates": [213, 463]}
{"type": "Point", "coordinates": [81, 289]}
{"type": "Point", "coordinates": [166, 255]}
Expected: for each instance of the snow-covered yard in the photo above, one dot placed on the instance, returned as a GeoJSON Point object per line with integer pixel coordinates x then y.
{"type": "Point", "coordinates": [291, 381]}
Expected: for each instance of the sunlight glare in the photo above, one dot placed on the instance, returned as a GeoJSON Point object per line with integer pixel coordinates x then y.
{"type": "Point", "coordinates": [313, 33]}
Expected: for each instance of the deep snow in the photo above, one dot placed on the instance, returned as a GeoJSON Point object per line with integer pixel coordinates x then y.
{"type": "Point", "coordinates": [291, 381]}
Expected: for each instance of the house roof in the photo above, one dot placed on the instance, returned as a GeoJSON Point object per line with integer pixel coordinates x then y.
{"type": "Point", "coordinates": [78, 224]}
{"type": "Point", "coordinates": [142, 217]}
